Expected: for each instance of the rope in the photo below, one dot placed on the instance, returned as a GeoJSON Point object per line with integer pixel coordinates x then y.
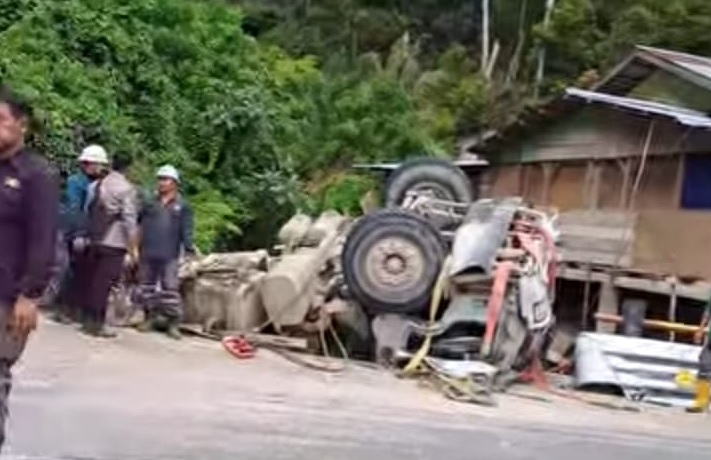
{"type": "Point", "coordinates": [458, 389]}
{"type": "Point", "coordinates": [435, 301]}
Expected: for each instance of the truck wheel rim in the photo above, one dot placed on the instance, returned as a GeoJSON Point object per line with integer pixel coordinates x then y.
{"type": "Point", "coordinates": [395, 263]}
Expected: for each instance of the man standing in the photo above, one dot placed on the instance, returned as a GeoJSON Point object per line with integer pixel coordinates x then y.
{"type": "Point", "coordinates": [703, 378]}
{"type": "Point", "coordinates": [166, 230]}
{"type": "Point", "coordinates": [29, 204]}
{"type": "Point", "coordinates": [112, 232]}
{"type": "Point", "coordinates": [93, 162]}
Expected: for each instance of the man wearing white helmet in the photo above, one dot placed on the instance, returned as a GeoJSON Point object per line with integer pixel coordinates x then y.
{"type": "Point", "coordinates": [93, 162]}
{"type": "Point", "coordinates": [112, 231]}
{"type": "Point", "coordinates": [166, 223]}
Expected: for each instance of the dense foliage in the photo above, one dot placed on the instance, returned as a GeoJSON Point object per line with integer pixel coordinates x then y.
{"type": "Point", "coordinates": [263, 104]}
{"type": "Point", "coordinates": [178, 81]}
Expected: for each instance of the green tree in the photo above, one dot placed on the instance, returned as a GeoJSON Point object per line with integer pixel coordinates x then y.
{"type": "Point", "coordinates": [178, 81]}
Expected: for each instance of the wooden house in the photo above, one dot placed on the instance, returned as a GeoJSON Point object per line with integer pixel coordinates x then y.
{"type": "Point", "coordinates": [628, 166]}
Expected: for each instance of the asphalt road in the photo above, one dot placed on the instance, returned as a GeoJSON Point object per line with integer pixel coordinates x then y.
{"type": "Point", "coordinates": [144, 397]}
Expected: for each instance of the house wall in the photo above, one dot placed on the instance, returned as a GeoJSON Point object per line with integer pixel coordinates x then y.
{"type": "Point", "coordinates": [592, 185]}
{"type": "Point", "coordinates": [590, 160]}
{"type": "Point", "coordinates": [565, 168]}
{"type": "Point", "coordinates": [604, 133]}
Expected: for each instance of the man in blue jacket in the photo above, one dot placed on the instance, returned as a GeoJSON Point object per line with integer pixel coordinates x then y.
{"type": "Point", "coordinates": [166, 228]}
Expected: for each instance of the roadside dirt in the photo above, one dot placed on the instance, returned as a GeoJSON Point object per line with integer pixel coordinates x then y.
{"type": "Point", "coordinates": [140, 375]}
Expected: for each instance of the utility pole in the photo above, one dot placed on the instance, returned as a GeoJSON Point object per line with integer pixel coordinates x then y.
{"type": "Point", "coordinates": [540, 70]}
{"type": "Point", "coordinates": [484, 35]}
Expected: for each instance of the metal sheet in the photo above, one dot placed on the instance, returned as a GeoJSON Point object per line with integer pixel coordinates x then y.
{"type": "Point", "coordinates": [644, 369]}
{"type": "Point", "coordinates": [477, 240]}
{"type": "Point", "coordinates": [697, 64]}
{"type": "Point", "coordinates": [464, 164]}
{"type": "Point", "coordinates": [686, 117]}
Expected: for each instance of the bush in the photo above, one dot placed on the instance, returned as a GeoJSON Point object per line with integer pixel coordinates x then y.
{"type": "Point", "coordinates": [178, 81]}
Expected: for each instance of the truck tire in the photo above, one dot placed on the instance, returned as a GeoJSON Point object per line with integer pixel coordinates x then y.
{"type": "Point", "coordinates": [391, 260]}
{"type": "Point", "coordinates": [446, 180]}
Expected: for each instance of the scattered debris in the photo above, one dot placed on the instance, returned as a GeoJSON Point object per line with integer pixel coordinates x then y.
{"type": "Point", "coordinates": [453, 291]}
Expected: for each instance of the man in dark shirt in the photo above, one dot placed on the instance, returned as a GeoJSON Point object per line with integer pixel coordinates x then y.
{"type": "Point", "coordinates": [29, 214]}
{"type": "Point", "coordinates": [166, 224]}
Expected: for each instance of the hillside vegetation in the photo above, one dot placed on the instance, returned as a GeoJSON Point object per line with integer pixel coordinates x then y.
{"type": "Point", "coordinates": [263, 104]}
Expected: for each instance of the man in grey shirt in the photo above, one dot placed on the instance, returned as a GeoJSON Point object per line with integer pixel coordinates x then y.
{"type": "Point", "coordinates": [113, 235]}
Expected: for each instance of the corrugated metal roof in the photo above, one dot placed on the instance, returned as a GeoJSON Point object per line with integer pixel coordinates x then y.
{"type": "Point", "coordinates": [643, 62]}
{"type": "Point", "coordinates": [472, 162]}
{"type": "Point", "coordinates": [698, 64]}
{"type": "Point", "coordinates": [683, 116]}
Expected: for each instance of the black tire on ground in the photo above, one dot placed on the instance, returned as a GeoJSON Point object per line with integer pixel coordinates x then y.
{"type": "Point", "coordinates": [447, 181]}
{"type": "Point", "coordinates": [391, 261]}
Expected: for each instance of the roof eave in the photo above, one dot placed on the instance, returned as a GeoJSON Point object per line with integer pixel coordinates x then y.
{"type": "Point", "coordinates": [648, 55]}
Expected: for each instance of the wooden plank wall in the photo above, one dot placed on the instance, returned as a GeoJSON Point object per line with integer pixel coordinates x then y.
{"type": "Point", "coordinates": [593, 198]}
{"type": "Point", "coordinates": [674, 242]}
{"type": "Point", "coordinates": [597, 237]}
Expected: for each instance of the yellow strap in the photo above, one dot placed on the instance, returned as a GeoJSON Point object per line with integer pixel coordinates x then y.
{"type": "Point", "coordinates": [435, 302]}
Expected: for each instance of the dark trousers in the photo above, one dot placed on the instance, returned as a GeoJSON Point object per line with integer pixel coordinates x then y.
{"type": "Point", "coordinates": [103, 271]}
{"type": "Point", "coordinates": [155, 273]}
{"type": "Point", "coordinates": [705, 362]}
{"type": "Point", "coordinates": [53, 294]}
{"type": "Point", "coordinates": [11, 349]}
{"type": "Point", "coordinates": [76, 283]}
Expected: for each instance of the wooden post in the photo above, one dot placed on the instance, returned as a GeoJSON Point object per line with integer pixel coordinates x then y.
{"type": "Point", "coordinates": [672, 307]}
{"type": "Point", "coordinates": [679, 184]}
{"type": "Point", "coordinates": [548, 170]}
{"type": "Point", "coordinates": [593, 178]}
{"type": "Point", "coordinates": [608, 304]}
{"type": "Point", "coordinates": [587, 183]}
{"type": "Point", "coordinates": [626, 168]}
{"type": "Point", "coordinates": [586, 297]}
{"type": "Point", "coordinates": [526, 171]}
{"type": "Point", "coordinates": [519, 176]}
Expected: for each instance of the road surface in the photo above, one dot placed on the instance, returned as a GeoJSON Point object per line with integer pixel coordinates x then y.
{"type": "Point", "coordinates": [144, 397]}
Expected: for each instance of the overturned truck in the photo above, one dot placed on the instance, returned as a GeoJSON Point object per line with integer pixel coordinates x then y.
{"type": "Point", "coordinates": [434, 277]}
{"type": "Point", "coordinates": [474, 279]}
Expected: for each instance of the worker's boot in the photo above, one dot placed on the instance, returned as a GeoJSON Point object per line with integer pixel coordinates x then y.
{"type": "Point", "coordinates": [703, 397]}
{"type": "Point", "coordinates": [98, 330]}
{"type": "Point", "coordinates": [174, 331]}
{"type": "Point", "coordinates": [136, 319]}
{"type": "Point", "coordinates": [146, 325]}
{"type": "Point", "coordinates": [105, 333]}
{"type": "Point", "coordinates": [61, 318]}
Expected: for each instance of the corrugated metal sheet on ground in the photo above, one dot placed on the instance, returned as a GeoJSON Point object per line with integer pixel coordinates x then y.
{"type": "Point", "coordinates": [644, 369]}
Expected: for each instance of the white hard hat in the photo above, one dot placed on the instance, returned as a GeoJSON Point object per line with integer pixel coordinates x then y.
{"type": "Point", "coordinates": [94, 154]}
{"type": "Point", "coordinates": [169, 172]}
